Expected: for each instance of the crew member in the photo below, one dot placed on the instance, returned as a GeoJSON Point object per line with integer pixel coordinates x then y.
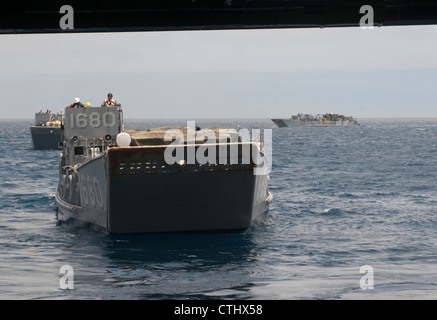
{"type": "Point", "coordinates": [76, 104]}
{"type": "Point", "coordinates": [110, 102]}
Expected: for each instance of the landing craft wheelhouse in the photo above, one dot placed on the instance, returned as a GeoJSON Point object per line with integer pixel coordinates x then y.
{"type": "Point", "coordinates": [120, 180]}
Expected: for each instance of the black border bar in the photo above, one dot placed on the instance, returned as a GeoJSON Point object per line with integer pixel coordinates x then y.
{"type": "Point", "coordinates": [31, 16]}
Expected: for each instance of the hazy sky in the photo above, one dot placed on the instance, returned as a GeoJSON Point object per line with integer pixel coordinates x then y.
{"type": "Point", "coordinates": [384, 72]}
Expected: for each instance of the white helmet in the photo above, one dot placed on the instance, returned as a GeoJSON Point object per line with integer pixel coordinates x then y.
{"type": "Point", "coordinates": [76, 100]}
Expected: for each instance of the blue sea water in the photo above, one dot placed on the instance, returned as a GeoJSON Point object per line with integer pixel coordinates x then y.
{"type": "Point", "coordinates": [343, 198]}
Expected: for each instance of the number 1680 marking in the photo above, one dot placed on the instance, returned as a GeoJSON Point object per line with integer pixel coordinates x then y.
{"type": "Point", "coordinates": [82, 120]}
{"type": "Point", "coordinates": [91, 192]}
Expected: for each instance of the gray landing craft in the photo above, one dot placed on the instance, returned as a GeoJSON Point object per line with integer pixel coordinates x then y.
{"type": "Point", "coordinates": [46, 132]}
{"type": "Point", "coordinates": [121, 180]}
{"type": "Point", "coordinates": [309, 120]}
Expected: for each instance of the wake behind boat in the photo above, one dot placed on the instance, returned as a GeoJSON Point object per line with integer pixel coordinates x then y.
{"type": "Point", "coordinates": [157, 180]}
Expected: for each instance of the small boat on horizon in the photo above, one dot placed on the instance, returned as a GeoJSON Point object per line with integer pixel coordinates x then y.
{"type": "Point", "coordinates": [308, 120]}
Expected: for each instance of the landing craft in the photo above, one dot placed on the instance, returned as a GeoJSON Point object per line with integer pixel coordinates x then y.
{"type": "Point", "coordinates": [119, 180]}
{"type": "Point", "coordinates": [309, 120]}
{"type": "Point", "coordinates": [46, 131]}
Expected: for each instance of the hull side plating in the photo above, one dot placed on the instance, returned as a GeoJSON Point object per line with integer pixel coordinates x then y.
{"type": "Point", "coordinates": [84, 196]}
{"type": "Point", "coordinates": [44, 138]}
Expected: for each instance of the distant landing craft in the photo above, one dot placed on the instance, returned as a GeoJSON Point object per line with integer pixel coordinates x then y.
{"type": "Point", "coordinates": [46, 132]}
{"type": "Point", "coordinates": [309, 120]}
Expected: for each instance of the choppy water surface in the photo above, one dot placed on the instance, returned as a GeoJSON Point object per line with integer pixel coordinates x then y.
{"type": "Point", "coordinates": [343, 198]}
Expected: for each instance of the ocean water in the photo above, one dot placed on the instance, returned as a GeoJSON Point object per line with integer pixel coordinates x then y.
{"type": "Point", "coordinates": [344, 198]}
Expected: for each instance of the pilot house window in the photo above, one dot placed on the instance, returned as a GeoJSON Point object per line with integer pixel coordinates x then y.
{"type": "Point", "coordinates": [78, 151]}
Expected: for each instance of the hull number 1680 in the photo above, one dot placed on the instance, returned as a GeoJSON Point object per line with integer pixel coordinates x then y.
{"type": "Point", "coordinates": [83, 120]}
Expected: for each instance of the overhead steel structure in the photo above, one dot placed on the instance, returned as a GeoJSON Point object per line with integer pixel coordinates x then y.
{"type": "Point", "coordinates": [31, 16]}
